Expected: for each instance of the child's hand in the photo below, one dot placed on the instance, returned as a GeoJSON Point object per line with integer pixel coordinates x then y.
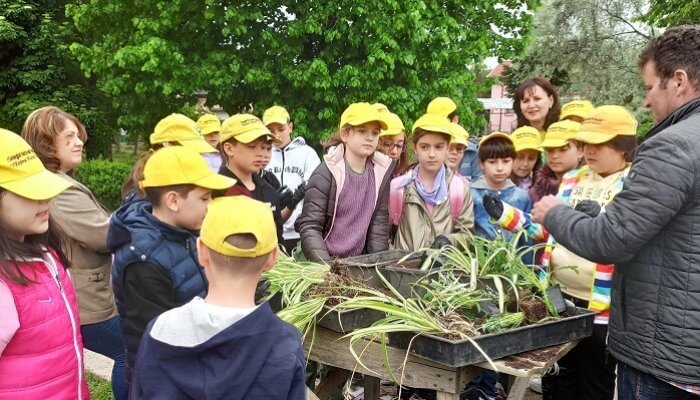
{"type": "Point", "coordinates": [286, 197]}
{"type": "Point", "coordinates": [588, 207]}
{"type": "Point", "coordinates": [493, 205]}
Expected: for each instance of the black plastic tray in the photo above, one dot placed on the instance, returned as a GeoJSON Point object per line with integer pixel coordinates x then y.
{"type": "Point", "coordinates": [364, 268]}
{"type": "Point", "coordinates": [348, 320]}
{"type": "Point", "coordinates": [497, 345]}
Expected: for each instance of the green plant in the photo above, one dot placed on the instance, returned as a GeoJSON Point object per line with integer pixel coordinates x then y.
{"type": "Point", "coordinates": [100, 389]}
{"type": "Point", "coordinates": [104, 178]}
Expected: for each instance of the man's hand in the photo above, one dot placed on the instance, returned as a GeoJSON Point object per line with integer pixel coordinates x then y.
{"type": "Point", "coordinates": [542, 207]}
{"type": "Point", "coordinates": [588, 207]}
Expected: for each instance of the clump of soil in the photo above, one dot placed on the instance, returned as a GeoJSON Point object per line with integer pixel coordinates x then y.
{"type": "Point", "coordinates": [455, 322]}
{"type": "Point", "coordinates": [338, 283]}
{"type": "Point", "coordinates": [512, 303]}
{"type": "Point", "coordinates": [534, 309]}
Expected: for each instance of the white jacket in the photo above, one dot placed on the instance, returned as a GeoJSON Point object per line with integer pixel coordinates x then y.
{"type": "Point", "coordinates": [293, 165]}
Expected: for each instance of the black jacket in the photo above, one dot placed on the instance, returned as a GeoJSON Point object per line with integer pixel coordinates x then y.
{"type": "Point", "coordinates": [651, 232]}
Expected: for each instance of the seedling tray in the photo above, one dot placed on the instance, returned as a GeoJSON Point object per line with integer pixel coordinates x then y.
{"type": "Point", "coordinates": [497, 345]}
{"type": "Point", "coordinates": [364, 268]}
{"type": "Point", "coordinates": [348, 320]}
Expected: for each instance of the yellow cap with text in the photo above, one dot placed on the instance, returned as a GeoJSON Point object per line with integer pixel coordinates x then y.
{"type": "Point", "coordinates": [604, 123]}
{"type": "Point", "coordinates": [443, 106]}
{"type": "Point", "coordinates": [245, 128]}
{"type": "Point", "coordinates": [494, 135]}
{"type": "Point", "coordinates": [576, 108]}
{"type": "Point", "coordinates": [180, 129]}
{"type": "Point", "coordinates": [362, 113]}
{"type": "Point", "coordinates": [433, 123]}
{"type": "Point", "coordinates": [177, 165]}
{"type": "Point", "coordinates": [559, 133]}
{"type": "Point", "coordinates": [459, 135]}
{"type": "Point", "coordinates": [22, 172]}
{"type": "Point", "coordinates": [526, 138]}
{"type": "Point", "coordinates": [276, 115]}
{"type": "Point", "coordinates": [208, 124]}
{"type": "Point", "coordinates": [394, 125]}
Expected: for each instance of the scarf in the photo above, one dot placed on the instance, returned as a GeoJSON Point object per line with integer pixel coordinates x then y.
{"type": "Point", "coordinates": [433, 197]}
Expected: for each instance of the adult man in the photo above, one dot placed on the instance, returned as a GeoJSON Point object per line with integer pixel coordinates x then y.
{"type": "Point", "coordinates": [651, 232]}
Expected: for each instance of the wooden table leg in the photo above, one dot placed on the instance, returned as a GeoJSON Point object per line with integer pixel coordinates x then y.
{"type": "Point", "coordinates": [330, 383]}
{"type": "Point", "coordinates": [446, 396]}
{"type": "Point", "coordinates": [372, 386]}
{"type": "Point", "coordinates": [518, 387]}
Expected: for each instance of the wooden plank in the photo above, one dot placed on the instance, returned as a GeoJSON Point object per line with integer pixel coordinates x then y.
{"type": "Point", "coordinates": [530, 363]}
{"type": "Point", "coordinates": [518, 388]}
{"type": "Point", "coordinates": [310, 395]}
{"type": "Point", "coordinates": [446, 396]}
{"type": "Point", "coordinates": [329, 348]}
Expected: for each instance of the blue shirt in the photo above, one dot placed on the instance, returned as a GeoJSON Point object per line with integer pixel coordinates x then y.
{"type": "Point", "coordinates": [510, 194]}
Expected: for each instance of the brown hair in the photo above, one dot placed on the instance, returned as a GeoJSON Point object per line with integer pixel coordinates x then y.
{"type": "Point", "coordinates": [239, 265]}
{"type": "Point", "coordinates": [677, 48]}
{"type": "Point", "coordinates": [419, 133]}
{"type": "Point", "coordinates": [496, 148]}
{"type": "Point", "coordinates": [40, 130]}
{"type": "Point", "coordinates": [527, 86]}
{"type": "Point", "coordinates": [154, 194]}
{"type": "Point", "coordinates": [12, 251]}
{"type": "Point", "coordinates": [625, 144]}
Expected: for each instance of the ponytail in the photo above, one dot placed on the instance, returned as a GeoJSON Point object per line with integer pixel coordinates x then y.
{"type": "Point", "coordinates": [136, 175]}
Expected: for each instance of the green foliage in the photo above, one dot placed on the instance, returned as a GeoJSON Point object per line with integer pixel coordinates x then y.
{"type": "Point", "coordinates": [314, 57]}
{"type": "Point", "coordinates": [104, 179]}
{"type": "Point", "coordinates": [100, 389]}
{"type": "Point", "coordinates": [587, 49]}
{"type": "Point", "coordinates": [37, 69]}
{"type": "Point", "coordinates": [667, 13]}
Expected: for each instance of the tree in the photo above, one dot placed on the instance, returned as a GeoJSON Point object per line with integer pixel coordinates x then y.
{"type": "Point", "coordinates": [667, 13]}
{"type": "Point", "coordinates": [314, 57]}
{"type": "Point", "coordinates": [37, 69]}
{"type": "Point", "coordinates": [587, 49]}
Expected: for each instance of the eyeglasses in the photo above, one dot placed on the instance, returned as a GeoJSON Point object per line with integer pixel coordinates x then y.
{"type": "Point", "coordinates": [389, 147]}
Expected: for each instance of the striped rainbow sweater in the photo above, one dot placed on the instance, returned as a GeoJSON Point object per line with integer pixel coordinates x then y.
{"type": "Point", "coordinates": [513, 219]}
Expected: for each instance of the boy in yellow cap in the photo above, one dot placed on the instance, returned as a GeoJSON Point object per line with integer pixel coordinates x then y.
{"type": "Point", "coordinates": [458, 145]}
{"type": "Point", "coordinates": [223, 345]}
{"type": "Point", "coordinates": [155, 264]}
{"type": "Point", "coordinates": [576, 110]}
{"type": "Point", "coordinates": [245, 143]}
{"type": "Point", "coordinates": [445, 107]}
{"type": "Point", "coordinates": [527, 156]}
{"type": "Point", "coordinates": [209, 126]}
{"type": "Point", "coordinates": [345, 210]}
{"type": "Point", "coordinates": [292, 162]}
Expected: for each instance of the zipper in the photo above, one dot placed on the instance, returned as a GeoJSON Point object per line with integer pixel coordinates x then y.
{"type": "Point", "coordinates": [53, 270]}
{"type": "Point", "coordinates": [282, 173]}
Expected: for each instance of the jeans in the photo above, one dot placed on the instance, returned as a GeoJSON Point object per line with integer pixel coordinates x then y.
{"type": "Point", "coordinates": [633, 384]}
{"type": "Point", "coordinates": [106, 338]}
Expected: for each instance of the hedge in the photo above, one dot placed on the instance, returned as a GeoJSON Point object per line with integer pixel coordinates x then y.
{"type": "Point", "coordinates": [104, 178]}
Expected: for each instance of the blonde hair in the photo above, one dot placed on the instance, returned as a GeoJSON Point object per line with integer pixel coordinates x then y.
{"type": "Point", "coordinates": [41, 128]}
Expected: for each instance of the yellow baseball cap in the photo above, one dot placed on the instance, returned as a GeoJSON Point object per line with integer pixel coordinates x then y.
{"type": "Point", "coordinates": [526, 138]}
{"type": "Point", "coordinates": [459, 135]}
{"type": "Point", "coordinates": [208, 124]}
{"type": "Point", "coordinates": [276, 115]}
{"type": "Point", "coordinates": [433, 123]}
{"type": "Point", "coordinates": [181, 129]}
{"type": "Point", "coordinates": [178, 165]}
{"type": "Point", "coordinates": [220, 223]}
{"type": "Point", "coordinates": [577, 108]}
{"type": "Point", "coordinates": [559, 133]}
{"type": "Point", "coordinates": [22, 173]}
{"type": "Point", "coordinates": [380, 107]}
{"type": "Point", "coordinates": [494, 135]}
{"type": "Point", "coordinates": [362, 113]}
{"type": "Point", "coordinates": [245, 128]}
{"type": "Point", "coordinates": [394, 125]}
{"type": "Point", "coordinates": [604, 123]}
{"type": "Point", "coordinates": [443, 106]}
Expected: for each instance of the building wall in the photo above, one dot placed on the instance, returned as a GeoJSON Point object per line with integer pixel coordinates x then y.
{"type": "Point", "coordinates": [503, 120]}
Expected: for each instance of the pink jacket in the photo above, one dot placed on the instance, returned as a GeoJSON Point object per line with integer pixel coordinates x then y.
{"type": "Point", "coordinates": [43, 359]}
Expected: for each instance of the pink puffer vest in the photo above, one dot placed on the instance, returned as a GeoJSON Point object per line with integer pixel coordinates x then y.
{"type": "Point", "coordinates": [44, 359]}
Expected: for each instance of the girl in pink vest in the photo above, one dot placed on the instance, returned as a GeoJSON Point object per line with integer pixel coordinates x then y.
{"type": "Point", "coordinates": [41, 351]}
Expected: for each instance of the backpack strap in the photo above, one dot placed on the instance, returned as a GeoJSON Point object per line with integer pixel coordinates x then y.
{"type": "Point", "coordinates": [456, 196]}
{"type": "Point", "coordinates": [395, 200]}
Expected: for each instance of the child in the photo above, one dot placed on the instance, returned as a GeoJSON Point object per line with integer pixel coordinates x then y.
{"type": "Point", "coordinates": [245, 141]}
{"type": "Point", "coordinates": [430, 205]}
{"type": "Point", "coordinates": [173, 130]}
{"type": "Point", "coordinates": [444, 107]}
{"type": "Point", "coordinates": [57, 138]}
{"type": "Point", "coordinates": [458, 145]}
{"type": "Point", "coordinates": [292, 163]}
{"type": "Point", "coordinates": [210, 126]}
{"type": "Point", "coordinates": [223, 346]}
{"type": "Point", "coordinates": [496, 154]}
{"type": "Point", "coordinates": [41, 350]}
{"type": "Point", "coordinates": [576, 110]}
{"type": "Point", "coordinates": [527, 156]}
{"type": "Point", "coordinates": [345, 210]}
{"type": "Point", "coordinates": [155, 264]}
{"type": "Point", "coordinates": [609, 136]}
{"type": "Point", "coordinates": [562, 154]}
{"type": "Point", "coordinates": [392, 142]}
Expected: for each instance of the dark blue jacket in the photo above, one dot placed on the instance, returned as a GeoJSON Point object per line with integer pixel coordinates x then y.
{"type": "Point", "coordinates": [140, 241]}
{"type": "Point", "coordinates": [260, 357]}
{"type": "Point", "coordinates": [470, 167]}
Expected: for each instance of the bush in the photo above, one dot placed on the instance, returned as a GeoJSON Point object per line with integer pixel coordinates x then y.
{"type": "Point", "coordinates": [104, 178]}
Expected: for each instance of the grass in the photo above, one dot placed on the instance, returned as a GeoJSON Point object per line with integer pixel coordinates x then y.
{"type": "Point", "coordinates": [100, 389]}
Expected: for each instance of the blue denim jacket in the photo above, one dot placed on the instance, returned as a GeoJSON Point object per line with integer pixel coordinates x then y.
{"type": "Point", "coordinates": [469, 167]}
{"type": "Point", "coordinates": [510, 194]}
